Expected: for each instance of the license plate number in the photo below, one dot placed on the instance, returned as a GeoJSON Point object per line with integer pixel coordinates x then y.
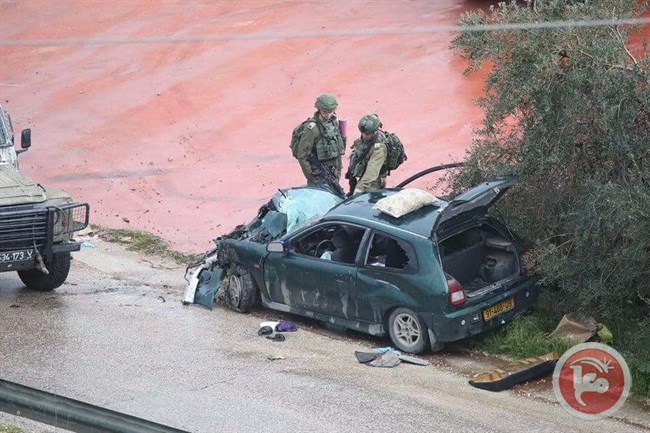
{"type": "Point", "coordinates": [499, 308]}
{"type": "Point", "coordinates": [16, 256]}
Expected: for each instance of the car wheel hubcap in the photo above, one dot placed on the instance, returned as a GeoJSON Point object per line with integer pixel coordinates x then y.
{"type": "Point", "coordinates": [235, 290]}
{"type": "Point", "coordinates": [407, 329]}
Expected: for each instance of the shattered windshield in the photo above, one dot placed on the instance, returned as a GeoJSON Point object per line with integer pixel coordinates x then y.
{"type": "Point", "coordinates": [288, 210]}
{"type": "Point", "coordinates": [304, 204]}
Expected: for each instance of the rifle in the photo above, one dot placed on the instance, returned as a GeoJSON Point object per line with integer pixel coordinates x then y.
{"type": "Point", "coordinates": [330, 180]}
{"type": "Point", "coordinates": [352, 182]}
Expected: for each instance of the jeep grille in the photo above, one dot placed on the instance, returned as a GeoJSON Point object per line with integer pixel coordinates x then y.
{"type": "Point", "coordinates": [23, 229]}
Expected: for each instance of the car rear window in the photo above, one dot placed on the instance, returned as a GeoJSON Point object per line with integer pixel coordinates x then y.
{"type": "Point", "coordinates": [391, 253]}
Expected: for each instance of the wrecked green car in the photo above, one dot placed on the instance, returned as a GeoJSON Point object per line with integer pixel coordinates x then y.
{"type": "Point", "coordinates": [36, 222]}
{"type": "Point", "coordinates": [440, 273]}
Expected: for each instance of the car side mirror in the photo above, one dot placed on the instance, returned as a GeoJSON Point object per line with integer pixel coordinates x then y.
{"type": "Point", "coordinates": [25, 140]}
{"type": "Point", "coordinates": [278, 247]}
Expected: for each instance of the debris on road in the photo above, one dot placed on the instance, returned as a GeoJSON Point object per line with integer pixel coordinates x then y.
{"type": "Point", "coordinates": [286, 326]}
{"type": "Point", "coordinates": [413, 360]}
{"type": "Point", "coordinates": [516, 372]}
{"type": "Point", "coordinates": [276, 357]}
{"type": "Point", "coordinates": [387, 357]}
{"type": "Point", "coordinates": [265, 330]}
{"type": "Point", "coordinates": [575, 328]}
{"type": "Point", "coordinates": [580, 329]}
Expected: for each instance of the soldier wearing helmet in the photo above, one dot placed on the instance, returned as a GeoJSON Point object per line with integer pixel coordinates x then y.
{"type": "Point", "coordinates": [321, 144]}
{"type": "Point", "coordinates": [367, 167]}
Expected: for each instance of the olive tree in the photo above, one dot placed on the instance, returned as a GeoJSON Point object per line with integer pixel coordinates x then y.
{"type": "Point", "coordinates": [567, 109]}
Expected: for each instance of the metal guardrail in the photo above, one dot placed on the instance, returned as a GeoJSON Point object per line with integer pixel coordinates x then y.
{"type": "Point", "coordinates": [69, 414]}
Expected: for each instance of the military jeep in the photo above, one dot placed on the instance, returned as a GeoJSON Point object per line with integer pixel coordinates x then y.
{"type": "Point", "coordinates": [36, 223]}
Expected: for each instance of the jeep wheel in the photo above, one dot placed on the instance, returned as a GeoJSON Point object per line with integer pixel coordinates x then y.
{"type": "Point", "coordinates": [58, 267]}
{"type": "Point", "coordinates": [407, 331]}
{"type": "Point", "coordinates": [241, 289]}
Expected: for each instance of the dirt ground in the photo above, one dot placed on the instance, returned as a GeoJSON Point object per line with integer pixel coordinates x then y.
{"type": "Point", "coordinates": [175, 117]}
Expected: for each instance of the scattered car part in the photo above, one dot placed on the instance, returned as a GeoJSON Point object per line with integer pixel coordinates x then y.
{"type": "Point", "coordinates": [413, 360]}
{"type": "Point", "coordinates": [516, 372]}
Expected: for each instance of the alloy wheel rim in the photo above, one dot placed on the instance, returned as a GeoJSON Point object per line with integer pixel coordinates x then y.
{"type": "Point", "coordinates": [407, 329]}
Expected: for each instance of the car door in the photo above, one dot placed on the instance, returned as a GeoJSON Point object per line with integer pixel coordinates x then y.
{"type": "Point", "coordinates": [387, 266]}
{"type": "Point", "coordinates": [318, 273]}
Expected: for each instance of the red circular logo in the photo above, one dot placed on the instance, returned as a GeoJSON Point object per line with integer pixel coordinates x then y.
{"type": "Point", "coordinates": [591, 380]}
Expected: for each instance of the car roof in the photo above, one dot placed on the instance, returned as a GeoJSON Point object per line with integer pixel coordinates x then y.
{"type": "Point", "coordinates": [359, 208]}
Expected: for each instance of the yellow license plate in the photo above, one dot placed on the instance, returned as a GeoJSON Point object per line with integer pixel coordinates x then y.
{"type": "Point", "coordinates": [499, 308]}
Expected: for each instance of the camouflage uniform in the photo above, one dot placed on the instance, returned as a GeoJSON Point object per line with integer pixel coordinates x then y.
{"type": "Point", "coordinates": [368, 163]}
{"type": "Point", "coordinates": [321, 141]}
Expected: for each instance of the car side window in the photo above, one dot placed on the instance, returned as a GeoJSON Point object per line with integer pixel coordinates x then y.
{"type": "Point", "coordinates": [334, 242]}
{"type": "Point", "coordinates": [391, 253]}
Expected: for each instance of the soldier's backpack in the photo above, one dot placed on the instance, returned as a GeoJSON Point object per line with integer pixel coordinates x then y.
{"type": "Point", "coordinates": [396, 154]}
{"type": "Point", "coordinates": [297, 134]}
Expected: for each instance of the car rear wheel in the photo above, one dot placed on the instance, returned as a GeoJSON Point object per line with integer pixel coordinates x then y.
{"type": "Point", "coordinates": [241, 289]}
{"type": "Point", "coordinates": [58, 269]}
{"type": "Point", "coordinates": [407, 331]}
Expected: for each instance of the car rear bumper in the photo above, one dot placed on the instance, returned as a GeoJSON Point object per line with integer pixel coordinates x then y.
{"type": "Point", "coordinates": [469, 321]}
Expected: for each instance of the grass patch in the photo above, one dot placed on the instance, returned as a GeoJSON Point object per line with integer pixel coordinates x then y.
{"type": "Point", "coordinates": [524, 337]}
{"type": "Point", "coordinates": [527, 336]}
{"type": "Point", "coordinates": [144, 242]}
{"type": "Point", "coordinates": [9, 428]}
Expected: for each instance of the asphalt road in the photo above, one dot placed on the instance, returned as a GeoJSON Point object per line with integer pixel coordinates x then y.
{"type": "Point", "coordinates": [117, 335]}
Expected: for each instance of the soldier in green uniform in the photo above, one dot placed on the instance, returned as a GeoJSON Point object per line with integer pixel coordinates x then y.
{"type": "Point", "coordinates": [321, 145]}
{"type": "Point", "coordinates": [368, 156]}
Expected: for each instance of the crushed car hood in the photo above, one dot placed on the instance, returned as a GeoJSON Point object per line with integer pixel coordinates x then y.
{"type": "Point", "coordinates": [16, 188]}
{"type": "Point", "coordinates": [288, 210]}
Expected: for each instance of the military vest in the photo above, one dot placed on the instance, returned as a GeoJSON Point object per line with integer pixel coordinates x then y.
{"type": "Point", "coordinates": [330, 143]}
{"type": "Point", "coordinates": [361, 155]}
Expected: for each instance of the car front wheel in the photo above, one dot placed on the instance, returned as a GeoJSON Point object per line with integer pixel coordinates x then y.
{"type": "Point", "coordinates": [407, 331]}
{"type": "Point", "coordinates": [58, 269]}
{"type": "Point", "coordinates": [241, 289]}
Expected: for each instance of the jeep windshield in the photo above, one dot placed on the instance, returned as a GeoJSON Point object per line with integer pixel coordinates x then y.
{"type": "Point", "coordinates": [6, 132]}
{"type": "Point", "coordinates": [7, 151]}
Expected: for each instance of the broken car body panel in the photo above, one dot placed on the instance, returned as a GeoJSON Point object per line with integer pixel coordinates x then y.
{"type": "Point", "coordinates": [356, 267]}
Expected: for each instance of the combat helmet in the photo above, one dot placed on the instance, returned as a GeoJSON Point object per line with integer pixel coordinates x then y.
{"type": "Point", "coordinates": [326, 102]}
{"type": "Point", "coordinates": [369, 123]}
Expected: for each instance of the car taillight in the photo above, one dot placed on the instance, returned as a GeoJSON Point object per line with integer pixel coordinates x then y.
{"type": "Point", "coordinates": [456, 293]}
{"type": "Point", "coordinates": [527, 267]}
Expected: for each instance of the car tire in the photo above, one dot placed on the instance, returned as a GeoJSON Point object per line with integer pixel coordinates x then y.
{"type": "Point", "coordinates": [407, 331]}
{"type": "Point", "coordinates": [241, 289]}
{"type": "Point", "coordinates": [59, 268]}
